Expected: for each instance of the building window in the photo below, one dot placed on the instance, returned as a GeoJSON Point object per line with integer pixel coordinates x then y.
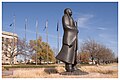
{"type": "Point", "coordinates": [2, 47]}
{"type": "Point", "coordinates": [7, 39]}
{"type": "Point", "coordinates": [2, 38]}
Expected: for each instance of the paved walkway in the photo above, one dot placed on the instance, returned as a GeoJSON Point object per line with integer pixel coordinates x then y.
{"type": "Point", "coordinates": [7, 73]}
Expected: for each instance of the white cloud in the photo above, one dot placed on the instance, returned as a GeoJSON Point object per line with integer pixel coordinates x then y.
{"type": "Point", "coordinates": [102, 36]}
{"type": "Point", "coordinates": [110, 41]}
{"type": "Point", "coordinates": [83, 20]}
{"type": "Point", "coordinates": [113, 42]}
{"type": "Point", "coordinates": [109, 38]}
{"type": "Point", "coordinates": [101, 28]}
{"type": "Point", "coordinates": [40, 33]}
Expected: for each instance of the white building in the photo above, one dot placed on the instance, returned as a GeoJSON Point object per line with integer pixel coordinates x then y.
{"type": "Point", "coordinates": [7, 46]}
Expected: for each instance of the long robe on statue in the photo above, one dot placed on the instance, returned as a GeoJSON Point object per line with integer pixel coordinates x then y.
{"type": "Point", "coordinates": [68, 52]}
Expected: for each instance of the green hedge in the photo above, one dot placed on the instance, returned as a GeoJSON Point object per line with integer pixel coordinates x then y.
{"type": "Point", "coordinates": [30, 66]}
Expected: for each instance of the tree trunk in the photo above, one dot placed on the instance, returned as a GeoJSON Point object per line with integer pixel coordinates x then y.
{"type": "Point", "coordinates": [11, 60]}
{"type": "Point", "coordinates": [92, 60]}
{"type": "Point", "coordinates": [98, 61]}
{"type": "Point", "coordinates": [40, 61]}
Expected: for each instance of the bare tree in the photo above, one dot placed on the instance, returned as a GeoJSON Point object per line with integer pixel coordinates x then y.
{"type": "Point", "coordinates": [83, 57]}
{"type": "Point", "coordinates": [97, 51]}
{"type": "Point", "coordinates": [11, 51]}
{"type": "Point", "coordinates": [90, 46]}
{"type": "Point", "coordinates": [24, 49]}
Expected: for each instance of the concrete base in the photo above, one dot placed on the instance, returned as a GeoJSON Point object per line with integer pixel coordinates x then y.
{"type": "Point", "coordinates": [77, 72]}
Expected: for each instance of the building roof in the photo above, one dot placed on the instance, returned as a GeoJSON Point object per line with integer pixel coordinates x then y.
{"type": "Point", "coordinates": [9, 34]}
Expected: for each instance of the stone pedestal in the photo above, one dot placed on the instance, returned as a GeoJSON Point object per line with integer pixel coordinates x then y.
{"type": "Point", "coordinates": [77, 72]}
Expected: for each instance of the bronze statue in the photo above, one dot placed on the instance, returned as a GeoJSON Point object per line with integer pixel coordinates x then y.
{"type": "Point", "coordinates": [68, 53]}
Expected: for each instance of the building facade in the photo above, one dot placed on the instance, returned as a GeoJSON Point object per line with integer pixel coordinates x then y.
{"type": "Point", "coordinates": [9, 47]}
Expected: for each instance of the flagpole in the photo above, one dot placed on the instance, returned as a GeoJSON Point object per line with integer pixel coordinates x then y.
{"type": "Point", "coordinates": [36, 39]}
{"type": "Point", "coordinates": [13, 40]}
{"type": "Point", "coordinates": [47, 38]}
{"type": "Point", "coordinates": [25, 39]}
{"type": "Point", "coordinates": [58, 37]}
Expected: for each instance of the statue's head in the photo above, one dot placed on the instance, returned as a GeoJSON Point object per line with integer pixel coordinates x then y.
{"type": "Point", "coordinates": [68, 11]}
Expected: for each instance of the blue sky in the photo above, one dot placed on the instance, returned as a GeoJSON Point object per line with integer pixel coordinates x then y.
{"type": "Point", "coordinates": [98, 21]}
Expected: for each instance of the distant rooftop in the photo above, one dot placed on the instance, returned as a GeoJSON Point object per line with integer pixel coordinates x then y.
{"type": "Point", "coordinates": [9, 33]}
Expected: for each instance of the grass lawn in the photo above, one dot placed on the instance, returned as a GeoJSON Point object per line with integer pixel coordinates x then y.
{"type": "Point", "coordinates": [42, 71]}
{"type": "Point", "coordinates": [29, 66]}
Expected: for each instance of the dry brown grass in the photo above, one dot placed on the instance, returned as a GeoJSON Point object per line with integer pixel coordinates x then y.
{"type": "Point", "coordinates": [94, 72]}
{"type": "Point", "coordinates": [104, 71]}
{"type": "Point", "coordinates": [98, 69]}
{"type": "Point", "coordinates": [25, 73]}
{"type": "Point", "coordinates": [60, 69]}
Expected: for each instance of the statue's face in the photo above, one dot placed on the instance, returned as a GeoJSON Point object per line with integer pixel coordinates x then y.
{"type": "Point", "coordinates": [68, 12]}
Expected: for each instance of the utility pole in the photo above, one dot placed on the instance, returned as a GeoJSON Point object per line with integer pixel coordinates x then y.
{"type": "Point", "coordinates": [36, 39]}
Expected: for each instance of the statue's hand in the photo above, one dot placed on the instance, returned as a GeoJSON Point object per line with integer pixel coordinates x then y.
{"type": "Point", "coordinates": [76, 26]}
{"type": "Point", "coordinates": [76, 23]}
{"type": "Point", "coordinates": [69, 45]}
